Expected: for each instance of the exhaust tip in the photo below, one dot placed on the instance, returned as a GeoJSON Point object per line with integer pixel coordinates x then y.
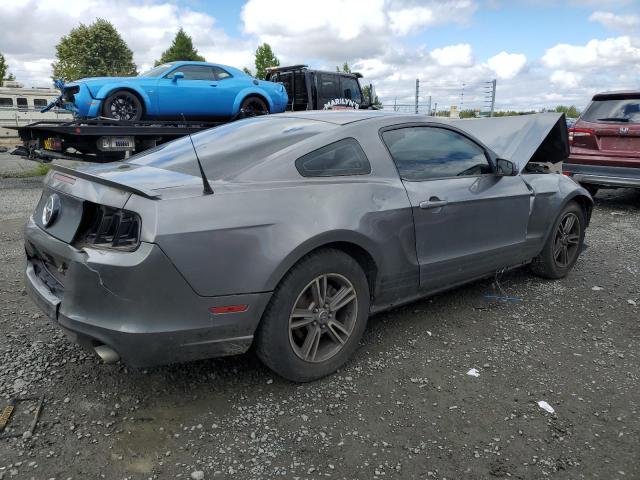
{"type": "Point", "coordinates": [107, 354]}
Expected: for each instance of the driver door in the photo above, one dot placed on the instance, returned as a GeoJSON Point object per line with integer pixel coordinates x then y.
{"type": "Point", "coordinates": [468, 220]}
{"type": "Point", "coordinates": [194, 95]}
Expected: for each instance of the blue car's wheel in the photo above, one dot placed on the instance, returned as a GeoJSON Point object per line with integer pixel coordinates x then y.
{"type": "Point", "coordinates": [122, 105]}
{"type": "Point", "coordinates": [254, 106]}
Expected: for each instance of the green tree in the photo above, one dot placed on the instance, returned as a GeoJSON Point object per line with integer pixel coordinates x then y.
{"type": "Point", "coordinates": [366, 90]}
{"type": "Point", "coordinates": [181, 49]}
{"type": "Point", "coordinates": [265, 58]}
{"type": "Point", "coordinates": [570, 111]}
{"type": "Point", "coordinates": [345, 68]}
{"type": "Point", "coordinates": [3, 71]}
{"type": "Point", "coordinates": [92, 51]}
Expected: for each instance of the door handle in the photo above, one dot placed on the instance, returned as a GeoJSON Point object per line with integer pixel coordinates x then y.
{"type": "Point", "coordinates": [213, 84]}
{"type": "Point", "coordinates": [433, 202]}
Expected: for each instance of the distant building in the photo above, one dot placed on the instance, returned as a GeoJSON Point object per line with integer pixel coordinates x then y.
{"type": "Point", "coordinates": [453, 112]}
{"type": "Point", "coordinates": [21, 106]}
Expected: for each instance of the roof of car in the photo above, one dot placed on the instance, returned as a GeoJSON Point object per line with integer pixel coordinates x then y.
{"type": "Point", "coordinates": [617, 95]}
{"type": "Point", "coordinates": [339, 117]}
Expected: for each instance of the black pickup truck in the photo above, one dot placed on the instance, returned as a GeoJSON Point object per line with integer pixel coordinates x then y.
{"type": "Point", "coordinates": [310, 89]}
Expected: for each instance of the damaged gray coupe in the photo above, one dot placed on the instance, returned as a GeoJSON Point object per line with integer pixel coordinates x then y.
{"type": "Point", "coordinates": [287, 231]}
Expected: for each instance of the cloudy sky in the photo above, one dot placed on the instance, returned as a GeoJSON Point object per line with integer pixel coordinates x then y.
{"type": "Point", "coordinates": [542, 52]}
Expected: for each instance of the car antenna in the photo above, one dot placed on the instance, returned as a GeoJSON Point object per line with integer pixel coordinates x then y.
{"type": "Point", "coordinates": [206, 187]}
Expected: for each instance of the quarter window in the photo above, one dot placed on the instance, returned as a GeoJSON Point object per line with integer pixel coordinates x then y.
{"type": "Point", "coordinates": [425, 153]}
{"type": "Point", "coordinates": [221, 74]}
{"type": "Point", "coordinates": [195, 72]}
{"type": "Point", "coordinates": [6, 102]}
{"type": "Point", "coordinates": [344, 157]}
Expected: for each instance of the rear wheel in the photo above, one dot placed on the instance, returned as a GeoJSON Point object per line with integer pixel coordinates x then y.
{"type": "Point", "coordinates": [122, 105]}
{"type": "Point", "coordinates": [254, 106]}
{"type": "Point", "coordinates": [316, 317]}
{"type": "Point", "coordinates": [563, 246]}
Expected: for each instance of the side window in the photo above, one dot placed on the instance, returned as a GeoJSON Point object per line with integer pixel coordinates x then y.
{"type": "Point", "coordinates": [424, 153]}
{"type": "Point", "coordinates": [351, 89]}
{"type": "Point", "coordinates": [22, 103]}
{"type": "Point", "coordinates": [329, 85]}
{"type": "Point", "coordinates": [194, 72]}
{"type": "Point", "coordinates": [221, 74]}
{"type": "Point", "coordinates": [39, 102]}
{"type": "Point", "coordinates": [6, 102]}
{"type": "Point", "coordinates": [344, 157]}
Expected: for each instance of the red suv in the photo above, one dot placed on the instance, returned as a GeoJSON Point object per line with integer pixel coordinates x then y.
{"type": "Point", "coordinates": [605, 143]}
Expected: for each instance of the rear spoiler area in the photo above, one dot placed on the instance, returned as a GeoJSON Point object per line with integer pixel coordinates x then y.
{"type": "Point", "coordinates": [104, 181]}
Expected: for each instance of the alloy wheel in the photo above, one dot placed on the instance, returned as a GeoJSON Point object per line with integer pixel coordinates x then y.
{"type": "Point", "coordinates": [123, 108]}
{"type": "Point", "coordinates": [323, 317]}
{"type": "Point", "coordinates": [567, 240]}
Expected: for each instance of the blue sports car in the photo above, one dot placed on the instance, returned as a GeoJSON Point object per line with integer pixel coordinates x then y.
{"type": "Point", "coordinates": [197, 90]}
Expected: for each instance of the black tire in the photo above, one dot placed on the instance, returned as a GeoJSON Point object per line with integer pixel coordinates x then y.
{"type": "Point", "coordinates": [122, 105]}
{"type": "Point", "coordinates": [253, 105]}
{"type": "Point", "coordinates": [280, 345]}
{"type": "Point", "coordinates": [591, 188]}
{"type": "Point", "coordinates": [562, 249]}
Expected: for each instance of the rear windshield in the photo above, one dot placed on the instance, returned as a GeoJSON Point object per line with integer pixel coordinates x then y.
{"type": "Point", "coordinates": [615, 110]}
{"type": "Point", "coordinates": [230, 149]}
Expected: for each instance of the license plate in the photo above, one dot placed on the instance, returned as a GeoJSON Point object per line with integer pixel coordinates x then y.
{"type": "Point", "coordinates": [624, 144]}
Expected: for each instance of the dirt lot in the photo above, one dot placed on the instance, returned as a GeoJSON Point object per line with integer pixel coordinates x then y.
{"type": "Point", "coordinates": [403, 408]}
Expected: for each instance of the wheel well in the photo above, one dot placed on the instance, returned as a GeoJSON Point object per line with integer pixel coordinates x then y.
{"type": "Point", "coordinates": [257, 95]}
{"type": "Point", "coordinates": [360, 255]}
{"type": "Point", "coordinates": [586, 204]}
{"type": "Point", "coordinates": [126, 89]}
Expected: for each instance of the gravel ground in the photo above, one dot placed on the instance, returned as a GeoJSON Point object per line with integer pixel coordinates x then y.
{"type": "Point", "coordinates": [405, 407]}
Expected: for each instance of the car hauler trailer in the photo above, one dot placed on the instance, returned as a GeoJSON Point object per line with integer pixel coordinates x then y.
{"type": "Point", "coordinates": [98, 140]}
{"type": "Point", "coordinates": [106, 140]}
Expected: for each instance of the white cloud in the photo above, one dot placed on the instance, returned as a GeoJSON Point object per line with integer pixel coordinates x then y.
{"type": "Point", "coordinates": [565, 79]}
{"type": "Point", "coordinates": [507, 65]}
{"type": "Point", "coordinates": [596, 53]}
{"type": "Point", "coordinates": [624, 23]}
{"type": "Point", "coordinates": [459, 55]}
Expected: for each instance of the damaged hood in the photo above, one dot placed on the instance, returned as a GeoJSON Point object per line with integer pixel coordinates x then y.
{"type": "Point", "coordinates": [541, 137]}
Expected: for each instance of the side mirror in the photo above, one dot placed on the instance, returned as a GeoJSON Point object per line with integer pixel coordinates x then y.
{"type": "Point", "coordinates": [177, 76]}
{"type": "Point", "coordinates": [506, 168]}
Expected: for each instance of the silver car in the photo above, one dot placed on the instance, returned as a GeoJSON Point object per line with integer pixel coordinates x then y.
{"type": "Point", "coordinates": [296, 228]}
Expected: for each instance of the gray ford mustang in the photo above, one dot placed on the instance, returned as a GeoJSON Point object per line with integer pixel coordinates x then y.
{"type": "Point", "coordinates": [296, 228]}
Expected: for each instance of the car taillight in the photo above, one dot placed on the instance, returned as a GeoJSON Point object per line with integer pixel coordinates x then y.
{"type": "Point", "coordinates": [108, 227]}
{"type": "Point", "coordinates": [583, 138]}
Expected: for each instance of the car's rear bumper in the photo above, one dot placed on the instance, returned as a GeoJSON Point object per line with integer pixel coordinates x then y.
{"type": "Point", "coordinates": [136, 303]}
{"type": "Point", "coordinates": [605, 175]}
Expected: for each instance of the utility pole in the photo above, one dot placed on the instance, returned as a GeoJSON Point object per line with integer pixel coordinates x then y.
{"type": "Point", "coordinates": [490, 96]}
{"type": "Point", "coordinates": [417, 93]}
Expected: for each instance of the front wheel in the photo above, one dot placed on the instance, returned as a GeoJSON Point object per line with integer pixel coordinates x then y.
{"type": "Point", "coordinates": [122, 105]}
{"type": "Point", "coordinates": [316, 317]}
{"type": "Point", "coordinates": [564, 244]}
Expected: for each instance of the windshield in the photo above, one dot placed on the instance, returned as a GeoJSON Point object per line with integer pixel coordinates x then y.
{"type": "Point", "coordinates": [230, 149]}
{"type": "Point", "coordinates": [157, 71]}
{"type": "Point", "coordinates": [614, 110]}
